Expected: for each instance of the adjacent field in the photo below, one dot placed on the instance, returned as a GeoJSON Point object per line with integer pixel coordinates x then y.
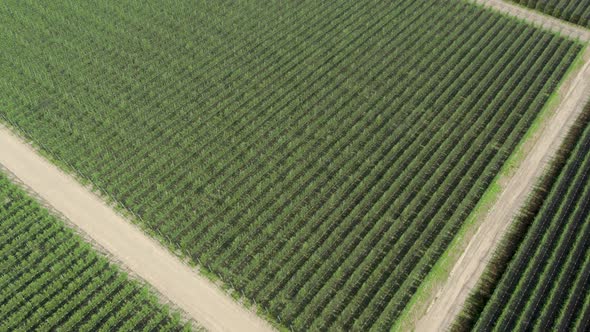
{"type": "Point", "coordinates": [318, 156]}
{"type": "Point", "coordinates": [575, 11]}
{"type": "Point", "coordinates": [51, 279]}
{"type": "Point", "coordinates": [540, 276]}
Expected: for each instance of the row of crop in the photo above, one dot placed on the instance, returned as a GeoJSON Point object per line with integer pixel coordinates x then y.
{"type": "Point", "coordinates": [533, 276]}
{"type": "Point", "coordinates": [527, 292]}
{"type": "Point", "coordinates": [568, 280]}
{"type": "Point", "coordinates": [240, 118]}
{"type": "Point", "coordinates": [51, 279]}
{"type": "Point", "coordinates": [584, 318]}
{"type": "Point", "coordinates": [362, 135]}
{"type": "Point", "coordinates": [433, 183]}
{"type": "Point", "coordinates": [575, 11]}
{"type": "Point", "coordinates": [337, 164]}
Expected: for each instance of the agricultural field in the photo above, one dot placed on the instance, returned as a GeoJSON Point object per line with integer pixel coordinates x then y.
{"type": "Point", "coordinates": [574, 11]}
{"type": "Point", "coordinates": [540, 276]}
{"type": "Point", "coordinates": [318, 157]}
{"type": "Point", "coordinates": [51, 279]}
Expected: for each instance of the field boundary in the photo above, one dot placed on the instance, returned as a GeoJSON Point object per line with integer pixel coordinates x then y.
{"type": "Point", "coordinates": [227, 286]}
{"type": "Point", "coordinates": [100, 249]}
{"type": "Point", "coordinates": [537, 18]}
{"type": "Point", "coordinates": [538, 11]}
{"type": "Point", "coordinates": [507, 248]}
{"type": "Point", "coordinates": [426, 311]}
{"type": "Point", "coordinates": [112, 235]}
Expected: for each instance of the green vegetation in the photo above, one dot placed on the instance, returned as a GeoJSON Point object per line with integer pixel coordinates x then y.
{"type": "Point", "coordinates": [539, 277]}
{"type": "Point", "coordinates": [51, 279]}
{"type": "Point", "coordinates": [443, 266]}
{"type": "Point", "coordinates": [317, 156]}
{"type": "Point", "coordinates": [575, 11]}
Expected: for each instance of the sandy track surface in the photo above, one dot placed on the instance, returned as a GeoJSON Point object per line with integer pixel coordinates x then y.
{"type": "Point", "coordinates": [145, 257]}
{"type": "Point", "coordinates": [538, 18]}
{"type": "Point", "coordinates": [449, 299]}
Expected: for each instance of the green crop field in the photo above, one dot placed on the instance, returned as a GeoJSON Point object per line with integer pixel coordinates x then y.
{"type": "Point", "coordinates": [575, 11]}
{"type": "Point", "coordinates": [50, 279]}
{"type": "Point", "coordinates": [540, 276]}
{"type": "Point", "coordinates": [318, 156]}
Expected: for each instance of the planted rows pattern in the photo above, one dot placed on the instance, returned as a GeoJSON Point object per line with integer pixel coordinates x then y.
{"type": "Point", "coordinates": [317, 156]}
{"type": "Point", "coordinates": [50, 279]}
{"type": "Point", "coordinates": [546, 284]}
{"type": "Point", "coordinates": [575, 11]}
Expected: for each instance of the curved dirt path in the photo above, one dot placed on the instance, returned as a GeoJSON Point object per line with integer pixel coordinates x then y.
{"type": "Point", "coordinates": [198, 297]}
{"type": "Point", "coordinates": [538, 18]}
{"type": "Point", "coordinates": [450, 296]}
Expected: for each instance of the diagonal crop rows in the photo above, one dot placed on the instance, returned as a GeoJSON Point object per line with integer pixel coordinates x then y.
{"type": "Point", "coordinates": [546, 283]}
{"type": "Point", "coordinates": [318, 157]}
{"type": "Point", "coordinates": [575, 11]}
{"type": "Point", "coordinates": [50, 279]}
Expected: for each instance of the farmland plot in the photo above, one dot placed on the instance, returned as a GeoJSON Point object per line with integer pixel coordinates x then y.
{"type": "Point", "coordinates": [574, 11]}
{"type": "Point", "coordinates": [50, 279]}
{"type": "Point", "coordinates": [540, 276]}
{"type": "Point", "coordinates": [318, 157]}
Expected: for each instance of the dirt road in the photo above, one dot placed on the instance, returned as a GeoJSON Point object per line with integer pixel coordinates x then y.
{"type": "Point", "coordinates": [538, 19]}
{"type": "Point", "coordinates": [450, 296]}
{"type": "Point", "coordinates": [172, 278]}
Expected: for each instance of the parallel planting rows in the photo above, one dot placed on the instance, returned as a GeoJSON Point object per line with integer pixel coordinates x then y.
{"type": "Point", "coordinates": [575, 11]}
{"type": "Point", "coordinates": [540, 277]}
{"type": "Point", "coordinates": [318, 156]}
{"type": "Point", "coordinates": [50, 279]}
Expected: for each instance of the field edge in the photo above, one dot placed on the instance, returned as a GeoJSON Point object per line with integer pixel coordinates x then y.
{"type": "Point", "coordinates": [539, 12]}
{"type": "Point", "coordinates": [97, 248]}
{"type": "Point", "coordinates": [429, 288]}
{"type": "Point", "coordinates": [132, 218]}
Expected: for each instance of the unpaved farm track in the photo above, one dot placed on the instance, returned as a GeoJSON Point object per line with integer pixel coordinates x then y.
{"type": "Point", "coordinates": [538, 19]}
{"type": "Point", "coordinates": [195, 295]}
{"type": "Point", "coordinates": [573, 96]}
